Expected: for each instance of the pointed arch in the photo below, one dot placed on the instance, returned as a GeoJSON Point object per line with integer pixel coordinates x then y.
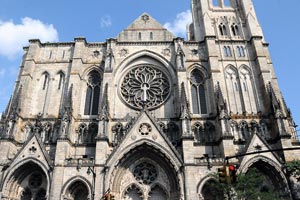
{"type": "Point", "coordinates": [198, 85]}
{"type": "Point", "coordinates": [92, 98]}
{"type": "Point", "coordinates": [235, 99]}
{"type": "Point", "coordinates": [76, 185]}
{"type": "Point", "coordinates": [45, 80]}
{"type": "Point", "coordinates": [27, 175]}
{"type": "Point", "coordinates": [153, 153]}
{"type": "Point", "coordinates": [61, 80]}
{"type": "Point", "coordinates": [271, 169]}
{"type": "Point", "coordinates": [248, 90]}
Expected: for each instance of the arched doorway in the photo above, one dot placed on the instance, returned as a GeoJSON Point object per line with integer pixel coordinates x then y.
{"type": "Point", "coordinates": [273, 181]}
{"type": "Point", "coordinates": [28, 182]}
{"type": "Point", "coordinates": [77, 191]}
{"type": "Point", "coordinates": [211, 191]}
{"type": "Point", "coordinates": [145, 173]}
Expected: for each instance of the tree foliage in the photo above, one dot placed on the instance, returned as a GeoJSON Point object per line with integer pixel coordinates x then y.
{"type": "Point", "coordinates": [293, 168]}
{"type": "Point", "coordinates": [249, 186]}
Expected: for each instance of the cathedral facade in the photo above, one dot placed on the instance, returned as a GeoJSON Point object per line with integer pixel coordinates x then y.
{"type": "Point", "coordinates": [147, 115]}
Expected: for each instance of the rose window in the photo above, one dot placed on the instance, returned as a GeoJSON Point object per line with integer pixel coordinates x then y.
{"type": "Point", "coordinates": [145, 173]}
{"type": "Point", "coordinates": [145, 86]}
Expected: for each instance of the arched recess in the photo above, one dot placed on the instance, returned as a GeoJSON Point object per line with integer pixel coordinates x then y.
{"type": "Point", "coordinates": [151, 58]}
{"type": "Point", "coordinates": [150, 162]}
{"type": "Point", "coordinates": [155, 87]}
{"type": "Point", "coordinates": [91, 87]}
{"type": "Point", "coordinates": [248, 89]}
{"type": "Point", "coordinates": [77, 188]}
{"type": "Point", "coordinates": [208, 189]}
{"type": "Point", "coordinates": [28, 179]}
{"type": "Point", "coordinates": [274, 178]}
{"type": "Point", "coordinates": [199, 89]}
{"type": "Point", "coordinates": [234, 93]}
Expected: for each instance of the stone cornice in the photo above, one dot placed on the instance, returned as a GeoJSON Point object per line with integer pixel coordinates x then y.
{"type": "Point", "coordinates": [144, 43]}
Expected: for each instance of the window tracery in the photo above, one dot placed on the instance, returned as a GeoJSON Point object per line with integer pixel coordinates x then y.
{"type": "Point", "coordinates": [92, 93]}
{"type": "Point", "coordinates": [198, 92]}
{"type": "Point", "coordinates": [145, 86]}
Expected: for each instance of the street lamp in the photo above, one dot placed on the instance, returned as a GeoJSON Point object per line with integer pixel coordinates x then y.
{"type": "Point", "coordinates": [91, 170]}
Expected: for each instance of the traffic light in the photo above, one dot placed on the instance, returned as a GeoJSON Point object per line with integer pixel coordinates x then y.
{"type": "Point", "coordinates": [232, 174]}
{"type": "Point", "coordinates": [106, 196]}
{"type": "Point", "coordinates": [222, 172]}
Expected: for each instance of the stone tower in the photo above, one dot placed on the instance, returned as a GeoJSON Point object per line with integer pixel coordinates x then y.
{"type": "Point", "coordinates": [147, 115]}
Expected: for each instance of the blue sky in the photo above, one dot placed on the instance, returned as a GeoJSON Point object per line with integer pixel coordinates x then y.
{"type": "Point", "coordinates": [58, 20]}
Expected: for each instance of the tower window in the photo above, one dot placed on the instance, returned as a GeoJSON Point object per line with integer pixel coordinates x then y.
{"type": "Point", "coordinates": [198, 92]}
{"type": "Point", "coordinates": [240, 51]}
{"type": "Point", "coordinates": [61, 80]}
{"type": "Point", "coordinates": [151, 36]}
{"type": "Point", "coordinates": [227, 51]}
{"type": "Point", "coordinates": [222, 29]}
{"type": "Point", "coordinates": [92, 94]}
{"type": "Point", "coordinates": [140, 36]}
{"type": "Point", "coordinates": [235, 30]}
{"type": "Point", "coordinates": [46, 80]}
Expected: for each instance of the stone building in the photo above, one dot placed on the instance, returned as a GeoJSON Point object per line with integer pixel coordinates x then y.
{"type": "Point", "coordinates": [147, 115]}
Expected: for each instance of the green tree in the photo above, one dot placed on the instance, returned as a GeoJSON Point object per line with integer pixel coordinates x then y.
{"type": "Point", "coordinates": [293, 168]}
{"type": "Point", "coordinates": [249, 186]}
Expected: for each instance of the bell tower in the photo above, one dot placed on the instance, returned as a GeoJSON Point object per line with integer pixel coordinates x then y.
{"type": "Point", "coordinates": [241, 66]}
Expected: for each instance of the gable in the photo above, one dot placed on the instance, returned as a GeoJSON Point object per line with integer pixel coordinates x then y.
{"type": "Point", "coordinates": [145, 28]}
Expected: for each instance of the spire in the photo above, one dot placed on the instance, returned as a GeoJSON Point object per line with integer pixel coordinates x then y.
{"type": "Point", "coordinates": [104, 107]}
{"type": "Point", "coordinates": [185, 107]}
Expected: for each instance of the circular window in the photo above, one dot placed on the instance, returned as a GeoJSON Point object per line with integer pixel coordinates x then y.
{"type": "Point", "coordinates": [145, 86]}
{"type": "Point", "coordinates": [145, 173]}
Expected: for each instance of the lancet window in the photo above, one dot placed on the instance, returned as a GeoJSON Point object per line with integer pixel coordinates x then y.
{"type": "Point", "coordinates": [92, 94]}
{"type": "Point", "coordinates": [198, 92]}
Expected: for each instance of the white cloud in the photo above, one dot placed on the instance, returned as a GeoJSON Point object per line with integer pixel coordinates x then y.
{"type": "Point", "coordinates": [105, 21]}
{"type": "Point", "coordinates": [14, 36]}
{"type": "Point", "coordinates": [178, 26]}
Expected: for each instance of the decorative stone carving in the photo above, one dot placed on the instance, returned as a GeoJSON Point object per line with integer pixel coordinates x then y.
{"type": "Point", "coordinates": [145, 86]}
{"type": "Point", "coordinates": [166, 52]}
{"type": "Point", "coordinates": [145, 18]}
{"type": "Point", "coordinates": [145, 129]}
{"type": "Point", "coordinates": [123, 52]}
{"type": "Point", "coordinates": [145, 173]}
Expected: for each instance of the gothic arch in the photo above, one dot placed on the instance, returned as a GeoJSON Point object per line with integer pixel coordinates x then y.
{"type": "Point", "coordinates": [155, 154]}
{"type": "Point", "coordinates": [88, 70]}
{"type": "Point", "coordinates": [199, 89]}
{"type": "Point", "coordinates": [200, 68]}
{"type": "Point", "coordinates": [127, 63]}
{"type": "Point", "coordinates": [75, 180]}
{"type": "Point", "coordinates": [270, 169]}
{"type": "Point", "coordinates": [204, 185]}
{"type": "Point", "coordinates": [18, 178]}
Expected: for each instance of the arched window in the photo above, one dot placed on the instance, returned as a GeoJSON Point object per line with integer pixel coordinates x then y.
{"type": "Point", "coordinates": [222, 29]}
{"type": "Point", "coordinates": [140, 36]}
{"type": "Point", "coordinates": [235, 30]}
{"type": "Point", "coordinates": [199, 134]}
{"type": "Point", "coordinates": [92, 94]}
{"type": "Point", "coordinates": [46, 80]}
{"type": "Point", "coordinates": [61, 80]}
{"type": "Point", "coordinates": [133, 193]}
{"type": "Point", "coordinates": [151, 36]}
{"type": "Point", "coordinates": [240, 51]}
{"type": "Point", "coordinates": [198, 92]}
{"type": "Point", "coordinates": [227, 51]}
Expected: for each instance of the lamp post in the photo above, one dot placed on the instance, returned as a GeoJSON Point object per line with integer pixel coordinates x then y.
{"type": "Point", "coordinates": [89, 171]}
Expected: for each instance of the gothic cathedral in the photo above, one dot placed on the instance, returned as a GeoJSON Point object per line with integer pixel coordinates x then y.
{"type": "Point", "coordinates": [148, 115]}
